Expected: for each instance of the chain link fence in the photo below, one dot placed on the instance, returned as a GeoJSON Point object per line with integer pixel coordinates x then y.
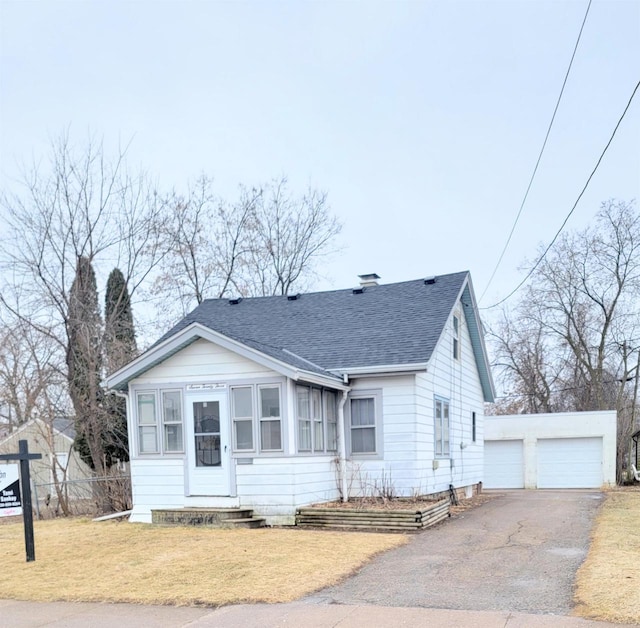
{"type": "Point", "coordinates": [93, 496]}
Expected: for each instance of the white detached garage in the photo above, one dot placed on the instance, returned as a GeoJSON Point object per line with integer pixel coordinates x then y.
{"type": "Point", "coordinates": [563, 450]}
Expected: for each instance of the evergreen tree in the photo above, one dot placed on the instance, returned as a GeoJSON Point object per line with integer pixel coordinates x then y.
{"type": "Point", "coordinates": [84, 364]}
{"type": "Point", "coordinates": [119, 349]}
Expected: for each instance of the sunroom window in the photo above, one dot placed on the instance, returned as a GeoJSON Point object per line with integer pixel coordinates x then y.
{"type": "Point", "coordinates": [270, 419]}
{"type": "Point", "coordinates": [242, 413]}
{"type": "Point", "coordinates": [172, 421]}
{"type": "Point", "coordinates": [317, 419]}
{"type": "Point", "coordinates": [147, 423]}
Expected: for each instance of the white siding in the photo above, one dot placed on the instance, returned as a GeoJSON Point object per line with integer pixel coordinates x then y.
{"type": "Point", "coordinates": [204, 361]}
{"type": "Point", "coordinates": [275, 487]}
{"type": "Point", "coordinates": [156, 483]}
{"type": "Point", "coordinates": [457, 381]}
{"type": "Point", "coordinates": [365, 477]}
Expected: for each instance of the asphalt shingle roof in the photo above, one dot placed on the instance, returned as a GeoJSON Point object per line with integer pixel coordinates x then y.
{"type": "Point", "coordinates": [389, 324]}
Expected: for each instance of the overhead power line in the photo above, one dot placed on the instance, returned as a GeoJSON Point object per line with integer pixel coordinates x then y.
{"type": "Point", "coordinates": [562, 226]}
{"type": "Point", "coordinates": [544, 144]}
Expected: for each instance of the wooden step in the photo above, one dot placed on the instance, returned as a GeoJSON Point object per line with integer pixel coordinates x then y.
{"type": "Point", "coordinates": [210, 517]}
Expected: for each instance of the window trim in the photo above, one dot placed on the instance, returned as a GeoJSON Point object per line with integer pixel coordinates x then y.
{"type": "Point", "coordinates": [234, 419]}
{"type": "Point", "coordinates": [376, 395]}
{"type": "Point", "coordinates": [314, 422]}
{"type": "Point", "coordinates": [139, 425]}
{"type": "Point", "coordinates": [260, 418]}
{"type": "Point", "coordinates": [474, 426]}
{"type": "Point", "coordinates": [444, 401]}
{"type": "Point", "coordinates": [161, 393]}
{"type": "Point", "coordinates": [456, 324]}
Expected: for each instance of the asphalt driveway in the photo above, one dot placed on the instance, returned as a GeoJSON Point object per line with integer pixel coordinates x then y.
{"type": "Point", "coordinates": [518, 552]}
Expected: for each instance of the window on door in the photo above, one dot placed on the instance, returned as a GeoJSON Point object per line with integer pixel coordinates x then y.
{"type": "Point", "coordinates": [206, 421]}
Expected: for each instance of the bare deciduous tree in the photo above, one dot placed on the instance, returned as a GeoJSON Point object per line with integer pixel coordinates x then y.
{"type": "Point", "coordinates": [267, 242]}
{"type": "Point", "coordinates": [79, 205]}
{"type": "Point", "coordinates": [574, 340]}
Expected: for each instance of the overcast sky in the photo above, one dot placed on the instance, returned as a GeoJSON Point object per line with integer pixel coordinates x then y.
{"type": "Point", "coordinates": [422, 120]}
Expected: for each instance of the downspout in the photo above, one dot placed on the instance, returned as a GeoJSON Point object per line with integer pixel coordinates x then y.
{"type": "Point", "coordinates": [343, 446]}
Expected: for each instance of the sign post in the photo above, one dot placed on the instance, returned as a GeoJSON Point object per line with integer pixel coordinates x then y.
{"type": "Point", "coordinates": [23, 456]}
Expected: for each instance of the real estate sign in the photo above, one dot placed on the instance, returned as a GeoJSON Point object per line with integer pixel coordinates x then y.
{"type": "Point", "coordinates": [10, 503]}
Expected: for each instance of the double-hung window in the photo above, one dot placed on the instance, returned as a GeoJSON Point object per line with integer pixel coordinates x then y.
{"type": "Point", "coordinates": [242, 415]}
{"type": "Point", "coordinates": [441, 416]}
{"type": "Point", "coordinates": [147, 423]}
{"type": "Point", "coordinates": [363, 425]}
{"type": "Point", "coordinates": [172, 421]}
{"type": "Point", "coordinates": [270, 418]}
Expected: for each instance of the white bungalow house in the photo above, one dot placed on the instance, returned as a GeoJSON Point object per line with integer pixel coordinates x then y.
{"type": "Point", "coordinates": [272, 403]}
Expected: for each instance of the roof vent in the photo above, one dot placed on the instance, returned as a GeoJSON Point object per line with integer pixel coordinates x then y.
{"type": "Point", "coordinates": [235, 301]}
{"type": "Point", "coordinates": [359, 290]}
{"type": "Point", "coordinates": [293, 297]}
{"type": "Point", "coordinates": [366, 281]}
{"type": "Point", "coordinates": [429, 281]}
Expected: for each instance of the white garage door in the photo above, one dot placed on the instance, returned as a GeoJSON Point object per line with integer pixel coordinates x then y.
{"type": "Point", "coordinates": [503, 464]}
{"type": "Point", "coordinates": [569, 462]}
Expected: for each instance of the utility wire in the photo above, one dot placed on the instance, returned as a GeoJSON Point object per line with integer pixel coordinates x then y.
{"type": "Point", "coordinates": [544, 144]}
{"type": "Point", "coordinates": [555, 237]}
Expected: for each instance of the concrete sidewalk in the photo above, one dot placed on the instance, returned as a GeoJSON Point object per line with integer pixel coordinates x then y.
{"type": "Point", "coordinates": [16, 614]}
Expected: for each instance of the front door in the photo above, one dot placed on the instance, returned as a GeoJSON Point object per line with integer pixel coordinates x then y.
{"type": "Point", "coordinates": [208, 455]}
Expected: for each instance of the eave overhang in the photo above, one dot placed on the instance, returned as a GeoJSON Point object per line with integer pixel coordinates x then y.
{"type": "Point", "coordinates": [119, 381]}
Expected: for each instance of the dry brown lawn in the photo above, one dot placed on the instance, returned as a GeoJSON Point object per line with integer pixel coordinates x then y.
{"type": "Point", "coordinates": [608, 583]}
{"type": "Point", "coordinates": [79, 560]}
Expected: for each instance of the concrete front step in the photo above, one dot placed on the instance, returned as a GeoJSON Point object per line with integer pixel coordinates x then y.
{"type": "Point", "coordinates": [212, 517]}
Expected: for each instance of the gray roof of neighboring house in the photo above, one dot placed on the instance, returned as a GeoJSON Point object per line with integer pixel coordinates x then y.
{"type": "Point", "coordinates": [389, 324]}
{"type": "Point", "coordinates": [65, 426]}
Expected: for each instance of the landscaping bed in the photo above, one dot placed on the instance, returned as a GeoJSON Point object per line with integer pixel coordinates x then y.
{"type": "Point", "coordinates": [390, 515]}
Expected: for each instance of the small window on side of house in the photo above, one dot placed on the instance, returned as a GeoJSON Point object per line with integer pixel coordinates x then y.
{"type": "Point", "coordinates": [441, 428]}
{"type": "Point", "coordinates": [473, 427]}
{"type": "Point", "coordinates": [456, 337]}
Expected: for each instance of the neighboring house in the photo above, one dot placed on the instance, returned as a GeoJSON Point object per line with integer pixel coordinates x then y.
{"type": "Point", "coordinates": [561, 450]}
{"type": "Point", "coordinates": [277, 402]}
{"type": "Point", "coordinates": [55, 443]}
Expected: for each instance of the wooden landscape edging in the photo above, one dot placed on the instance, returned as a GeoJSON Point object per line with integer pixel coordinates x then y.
{"type": "Point", "coordinates": [398, 520]}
